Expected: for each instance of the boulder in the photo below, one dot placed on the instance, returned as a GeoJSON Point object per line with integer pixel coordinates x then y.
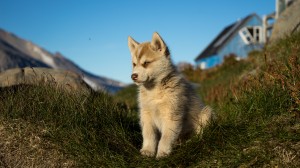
{"type": "Point", "coordinates": [287, 23]}
{"type": "Point", "coordinates": [64, 79]}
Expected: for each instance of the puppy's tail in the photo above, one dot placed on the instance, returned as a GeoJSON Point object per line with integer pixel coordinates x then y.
{"type": "Point", "coordinates": [204, 118]}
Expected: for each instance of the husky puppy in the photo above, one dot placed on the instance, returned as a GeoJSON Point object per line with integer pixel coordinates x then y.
{"type": "Point", "coordinates": [169, 108]}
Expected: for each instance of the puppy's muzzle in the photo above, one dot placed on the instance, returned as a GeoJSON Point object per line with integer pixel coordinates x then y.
{"type": "Point", "coordinates": [134, 76]}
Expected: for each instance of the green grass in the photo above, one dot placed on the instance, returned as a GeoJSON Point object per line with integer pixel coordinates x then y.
{"type": "Point", "coordinates": [257, 102]}
{"type": "Point", "coordinates": [128, 96]}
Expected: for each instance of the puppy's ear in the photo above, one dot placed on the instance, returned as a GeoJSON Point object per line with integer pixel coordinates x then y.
{"type": "Point", "coordinates": [132, 44]}
{"type": "Point", "coordinates": [157, 43]}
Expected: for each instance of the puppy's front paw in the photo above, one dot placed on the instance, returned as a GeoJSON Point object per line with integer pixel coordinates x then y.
{"type": "Point", "coordinates": [148, 153]}
{"type": "Point", "coordinates": [162, 154]}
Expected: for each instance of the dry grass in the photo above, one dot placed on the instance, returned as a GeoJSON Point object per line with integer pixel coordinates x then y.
{"type": "Point", "coordinates": [22, 145]}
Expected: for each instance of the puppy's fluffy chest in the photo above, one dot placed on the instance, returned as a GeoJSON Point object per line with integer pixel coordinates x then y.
{"type": "Point", "coordinates": [152, 99]}
{"type": "Point", "coordinates": [156, 103]}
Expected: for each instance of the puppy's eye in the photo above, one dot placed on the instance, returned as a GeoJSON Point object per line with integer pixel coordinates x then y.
{"type": "Point", "coordinates": [146, 63]}
{"type": "Point", "coordinates": [133, 64]}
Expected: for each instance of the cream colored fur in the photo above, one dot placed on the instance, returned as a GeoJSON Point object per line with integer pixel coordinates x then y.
{"type": "Point", "coordinates": [169, 108]}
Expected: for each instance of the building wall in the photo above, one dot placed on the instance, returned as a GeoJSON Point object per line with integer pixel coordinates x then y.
{"type": "Point", "coordinates": [209, 62]}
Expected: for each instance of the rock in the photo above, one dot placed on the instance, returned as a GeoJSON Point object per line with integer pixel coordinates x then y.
{"type": "Point", "coordinates": [287, 23]}
{"type": "Point", "coordinates": [65, 79]}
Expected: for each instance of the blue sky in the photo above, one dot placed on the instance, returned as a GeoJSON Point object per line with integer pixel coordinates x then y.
{"type": "Point", "coordinates": [93, 33]}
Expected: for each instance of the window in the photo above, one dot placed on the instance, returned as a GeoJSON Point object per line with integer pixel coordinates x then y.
{"type": "Point", "coordinates": [251, 35]}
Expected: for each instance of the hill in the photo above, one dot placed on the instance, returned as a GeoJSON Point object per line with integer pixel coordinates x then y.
{"type": "Point", "coordinates": [16, 52]}
{"type": "Point", "coordinates": [257, 102]}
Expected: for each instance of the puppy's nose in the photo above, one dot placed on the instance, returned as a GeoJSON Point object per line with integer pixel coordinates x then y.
{"type": "Point", "coordinates": [134, 76]}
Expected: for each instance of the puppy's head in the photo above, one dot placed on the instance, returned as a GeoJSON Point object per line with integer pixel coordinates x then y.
{"type": "Point", "coordinates": [149, 59]}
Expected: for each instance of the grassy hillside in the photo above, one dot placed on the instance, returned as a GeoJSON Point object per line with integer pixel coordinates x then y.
{"type": "Point", "coordinates": [257, 102]}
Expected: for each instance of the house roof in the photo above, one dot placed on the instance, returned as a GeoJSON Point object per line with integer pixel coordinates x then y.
{"type": "Point", "coordinates": [223, 37]}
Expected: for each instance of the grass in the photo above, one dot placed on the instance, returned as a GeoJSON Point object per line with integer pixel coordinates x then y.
{"type": "Point", "coordinates": [257, 102]}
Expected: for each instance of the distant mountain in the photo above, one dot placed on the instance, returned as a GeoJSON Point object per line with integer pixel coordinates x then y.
{"type": "Point", "coordinates": [16, 52]}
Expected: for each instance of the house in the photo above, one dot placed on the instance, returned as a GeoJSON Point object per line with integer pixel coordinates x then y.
{"type": "Point", "coordinates": [239, 39]}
